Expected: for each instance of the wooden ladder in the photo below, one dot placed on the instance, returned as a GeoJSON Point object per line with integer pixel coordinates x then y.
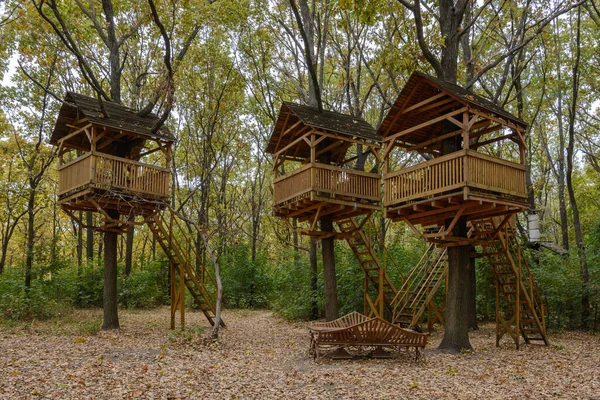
{"type": "Point", "coordinates": [172, 235]}
{"type": "Point", "coordinates": [376, 278]}
{"type": "Point", "coordinates": [514, 282]}
{"type": "Point", "coordinates": [416, 294]}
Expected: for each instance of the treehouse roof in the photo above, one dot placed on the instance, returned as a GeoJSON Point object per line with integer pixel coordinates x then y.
{"type": "Point", "coordinates": [425, 98]}
{"type": "Point", "coordinates": [295, 120]}
{"type": "Point", "coordinates": [114, 116]}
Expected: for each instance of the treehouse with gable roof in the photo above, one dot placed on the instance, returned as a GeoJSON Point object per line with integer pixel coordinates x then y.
{"type": "Point", "coordinates": [116, 162]}
{"type": "Point", "coordinates": [112, 161]}
{"type": "Point", "coordinates": [480, 175]}
{"type": "Point", "coordinates": [314, 171]}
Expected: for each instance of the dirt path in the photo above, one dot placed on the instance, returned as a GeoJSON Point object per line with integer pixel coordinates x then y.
{"type": "Point", "coordinates": [261, 356]}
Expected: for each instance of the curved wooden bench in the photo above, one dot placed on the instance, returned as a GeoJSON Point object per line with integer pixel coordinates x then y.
{"type": "Point", "coordinates": [343, 322]}
{"type": "Point", "coordinates": [354, 334]}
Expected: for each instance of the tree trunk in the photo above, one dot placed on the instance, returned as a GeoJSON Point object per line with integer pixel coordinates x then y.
{"type": "Point", "coordinates": [329, 276]}
{"type": "Point", "coordinates": [472, 289]}
{"type": "Point", "coordinates": [583, 267]}
{"type": "Point", "coordinates": [129, 250]}
{"type": "Point", "coordinates": [456, 332]}
{"type": "Point", "coordinates": [89, 249]}
{"type": "Point", "coordinates": [30, 237]}
{"type": "Point", "coordinates": [111, 315]}
{"type": "Point", "coordinates": [3, 257]}
{"type": "Point", "coordinates": [314, 294]}
{"type": "Point", "coordinates": [80, 242]}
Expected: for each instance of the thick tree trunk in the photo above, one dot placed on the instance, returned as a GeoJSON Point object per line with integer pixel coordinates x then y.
{"type": "Point", "coordinates": [329, 276]}
{"type": "Point", "coordinates": [456, 333]}
{"type": "Point", "coordinates": [472, 289]}
{"type": "Point", "coordinates": [314, 294]}
{"type": "Point", "coordinates": [111, 314]}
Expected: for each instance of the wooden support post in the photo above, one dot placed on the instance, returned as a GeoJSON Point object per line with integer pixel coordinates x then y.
{"type": "Point", "coordinates": [380, 291]}
{"type": "Point", "coordinates": [518, 300]}
{"type": "Point", "coordinates": [366, 298]}
{"type": "Point", "coordinates": [173, 293]}
{"type": "Point", "coordinates": [181, 296]}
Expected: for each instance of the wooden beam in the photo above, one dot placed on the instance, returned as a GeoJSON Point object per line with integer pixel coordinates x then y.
{"type": "Point", "coordinates": [292, 144]}
{"type": "Point", "coordinates": [425, 102]}
{"type": "Point", "coordinates": [424, 125]}
{"type": "Point", "coordinates": [401, 111]}
{"type": "Point", "coordinates": [74, 133]}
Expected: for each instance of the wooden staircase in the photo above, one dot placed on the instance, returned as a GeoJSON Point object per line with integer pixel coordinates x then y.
{"type": "Point", "coordinates": [172, 234]}
{"type": "Point", "coordinates": [376, 278]}
{"type": "Point", "coordinates": [514, 282]}
{"type": "Point", "coordinates": [416, 294]}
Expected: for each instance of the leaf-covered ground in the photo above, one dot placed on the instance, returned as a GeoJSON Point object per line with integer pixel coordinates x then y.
{"type": "Point", "coordinates": [261, 356]}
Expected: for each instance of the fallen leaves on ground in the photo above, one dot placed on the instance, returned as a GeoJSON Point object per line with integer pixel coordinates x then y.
{"type": "Point", "coordinates": [261, 356]}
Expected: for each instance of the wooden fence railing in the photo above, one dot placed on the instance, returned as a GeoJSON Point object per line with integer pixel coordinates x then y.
{"type": "Point", "coordinates": [462, 168]}
{"type": "Point", "coordinates": [327, 179]}
{"type": "Point", "coordinates": [105, 172]}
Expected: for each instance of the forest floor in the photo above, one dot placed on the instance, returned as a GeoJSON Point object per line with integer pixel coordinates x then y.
{"type": "Point", "coordinates": [261, 356]}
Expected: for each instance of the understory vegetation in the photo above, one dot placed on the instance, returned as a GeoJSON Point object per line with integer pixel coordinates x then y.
{"type": "Point", "coordinates": [281, 284]}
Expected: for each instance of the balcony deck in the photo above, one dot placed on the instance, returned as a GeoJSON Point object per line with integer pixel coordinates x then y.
{"type": "Point", "coordinates": [321, 189]}
{"type": "Point", "coordinates": [474, 184]}
{"type": "Point", "coordinates": [112, 182]}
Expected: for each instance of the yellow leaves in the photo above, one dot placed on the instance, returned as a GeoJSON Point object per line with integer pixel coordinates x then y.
{"type": "Point", "coordinates": [451, 370]}
{"type": "Point", "coordinates": [79, 340]}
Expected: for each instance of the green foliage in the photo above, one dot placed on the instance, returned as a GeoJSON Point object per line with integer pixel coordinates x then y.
{"type": "Point", "coordinates": [89, 287]}
{"type": "Point", "coordinates": [146, 288]}
{"type": "Point", "coordinates": [292, 296]}
{"type": "Point", "coordinates": [45, 299]}
{"type": "Point", "coordinates": [57, 288]}
{"type": "Point", "coordinates": [557, 277]}
{"type": "Point", "coordinates": [246, 283]}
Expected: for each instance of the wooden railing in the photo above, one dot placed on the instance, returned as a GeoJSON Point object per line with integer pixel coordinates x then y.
{"type": "Point", "coordinates": [132, 176]}
{"type": "Point", "coordinates": [328, 179]}
{"type": "Point", "coordinates": [453, 171]}
{"type": "Point", "coordinates": [75, 174]}
{"type": "Point", "coordinates": [108, 172]}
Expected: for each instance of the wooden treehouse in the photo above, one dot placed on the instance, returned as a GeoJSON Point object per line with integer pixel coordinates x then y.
{"type": "Point", "coordinates": [315, 156]}
{"type": "Point", "coordinates": [105, 165]}
{"type": "Point", "coordinates": [450, 154]}
{"type": "Point", "coordinates": [483, 177]}
{"type": "Point", "coordinates": [313, 177]}
{"type": "Point", "coordinates": [115, 162]}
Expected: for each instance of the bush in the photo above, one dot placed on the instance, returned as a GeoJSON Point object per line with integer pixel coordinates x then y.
{"type": "Point", "coordinates": [146, 288]}
{"type": "Point", "coordinates": [43, 300]}
{"type": "Point", "coordinates": [246, 283]}
{"type": "Point", "coordinates": [292, 297]}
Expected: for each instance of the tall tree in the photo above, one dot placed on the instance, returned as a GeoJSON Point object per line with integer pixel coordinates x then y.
{"type": "Point", "coordinates": [114, 27]}
{"type": "Point", "coordinates": [452, 24]}
{"type": "Point", "coordinates": [306, 25]}
{"type": "Point", "coordinates": [573, 107]}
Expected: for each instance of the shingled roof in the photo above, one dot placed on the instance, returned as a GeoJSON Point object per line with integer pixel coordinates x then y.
{"type": "Point", "coordinates": [119, 118]}
{"type": "Point", "coordinates": [291, 114]}
{"type": "Point", "coordinates": [421, 87]}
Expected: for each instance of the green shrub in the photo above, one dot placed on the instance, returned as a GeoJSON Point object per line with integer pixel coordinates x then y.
{"type": "Point", "coordinates": [146, 288]}
{"type": "Point", "coordinates": [246, 283]}
{"type": "Point", "coordinates": [292, 297]}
